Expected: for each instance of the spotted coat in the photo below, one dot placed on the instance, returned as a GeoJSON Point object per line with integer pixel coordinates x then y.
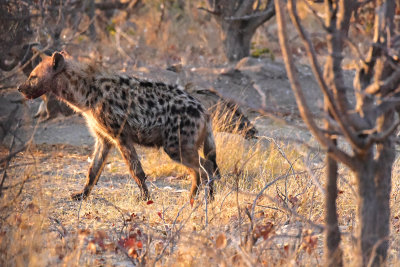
{"type": "Point", "coordinates": [122, 111]}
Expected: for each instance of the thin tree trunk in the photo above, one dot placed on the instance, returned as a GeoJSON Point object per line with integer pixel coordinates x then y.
{"type": "Point", "coordinates": [386, 156]}
{"type": "Point", "coordinates": [333, 252]}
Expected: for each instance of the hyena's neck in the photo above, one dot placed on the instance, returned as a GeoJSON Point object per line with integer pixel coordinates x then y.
{"type": "Point", "coordinates": [79, 87]}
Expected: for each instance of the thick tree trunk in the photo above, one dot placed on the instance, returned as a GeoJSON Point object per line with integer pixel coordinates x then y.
{"type": "Point", "coordinates": [374, 179]}
{"type": "Point", "coordinates": [239, 20]}
{"type": "Point", "coordinates": [236, 42]}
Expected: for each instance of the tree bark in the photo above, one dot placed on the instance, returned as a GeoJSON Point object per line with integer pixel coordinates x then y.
{"type": "Point", "coordinates": [367, 208]}
{"type": "Point", "coordinates": [333, 252]}
{"type": "Point", "coordinates": [236, 42]}
{"type": "Point", "coordinates": [374, 180]}
{"type": "Point", "coordinates": [238, 21]}
{"type": "Point", "coordinates": [373, 146]}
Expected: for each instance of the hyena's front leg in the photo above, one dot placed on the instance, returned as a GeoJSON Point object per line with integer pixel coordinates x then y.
{"type": "Point", "coordinates": [102, 148]}
{"type": "Point", "coordinates": [135, 168]}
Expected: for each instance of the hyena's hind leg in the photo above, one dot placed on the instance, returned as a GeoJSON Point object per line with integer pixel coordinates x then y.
{"type": "Point", "coordinates": [209, 149]}
{"type": "Point", "coordinates": [102, 148]}
{"type": "Point", "coordinates": [189, 157]}
{"type": "Point", "coordinates": [130, 156]}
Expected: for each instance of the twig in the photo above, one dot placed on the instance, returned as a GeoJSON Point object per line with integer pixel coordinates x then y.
{"type": "Point", "coordinates": [209, 11]}
{"type": "Point", "coordinates": [19, 183]}
{"type": "Point", "coordinates": [118, 209]}
{"type": "Point", "coordinates": [337, 113]}
{"type": "Point", "coordinates": [177, 231]}
{"type": "Point", "coordinates": [267, 12]}
{"type": "Point", "coordinates": [162, 5]}
{"type": "Point", "coordinates": [23, 66]}
{"type": "Point", "coordinates": [298, 92]}
{"type": "Point", "coordinates": [376, 138]}
{"type": "Point", "coordinates": [64, 230]}
{"type": "Point", "coordinates": [9, 158]}
{"type": "Point", "coordinates": [314, 178]}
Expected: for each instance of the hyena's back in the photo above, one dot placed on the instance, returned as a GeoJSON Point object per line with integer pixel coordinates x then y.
{"type": "Point", "coordinates": [150, 114]}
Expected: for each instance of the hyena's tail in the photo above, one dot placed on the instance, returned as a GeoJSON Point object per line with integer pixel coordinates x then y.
{"type": "Point", "coordinates": [210, 151]}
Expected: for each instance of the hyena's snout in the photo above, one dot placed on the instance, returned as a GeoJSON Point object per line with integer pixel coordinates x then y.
{"type": "Point", "coordinates": [30, 92]}
{"type": "Point", "coordinates": [22, 88]}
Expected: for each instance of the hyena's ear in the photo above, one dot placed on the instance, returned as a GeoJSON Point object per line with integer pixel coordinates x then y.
{"type": "Point", "coordinates": [58, 62]}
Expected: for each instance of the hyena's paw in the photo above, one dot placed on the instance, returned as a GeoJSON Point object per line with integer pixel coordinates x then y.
{"type": "Point", "coordinates": [144, 195]}
{"type": "Point", "coordinates": [79, 196]}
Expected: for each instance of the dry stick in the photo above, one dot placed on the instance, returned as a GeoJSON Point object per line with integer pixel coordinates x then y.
{"type": "Point", "coordinates": [19, 183]}
{"type": "Point", "coordinates": [16, 166]}
{"type": "Point", "coordinates": [340, 118]}
{"type": "Point", "coordinates": [120, 212]}
{"type": "Point", "coordinates": [161, 17]}
{"type": "Point", "coordinates": [64, 230]}
{"type": "Point", "coordinates": [177, 231]}
{"type": "Point", "coordinates": [285, 157]}
{"type": "Point", "coordinates": [223, 200]}
{"type": "Point", "coordinates": [9, 158]}
{"type": "Point", "coordinates": [237, 204]}
{"type": "Point", "coordinates": [206, 192]}
{"type": "Point", "coordinates": [315, 13]}
{"type": "Point", "coordinates": [299, 95]}
{"type": "Point", "coordinates": [118, 44]}
{"type": "Point", "coordinates": [17, 195]}
{"type": "Point", "coordinates": [25, 146]}
{"type": "Point", "coordinates": [267, 13]}
{"type": "Point", "coordinates": [265, 188]}
{"type": "Point", "coordinates": [281, 177]}
{"type": "Point", "coordinates": [314, 178]}
{"type": "Point", "coordinates": [26, 64]}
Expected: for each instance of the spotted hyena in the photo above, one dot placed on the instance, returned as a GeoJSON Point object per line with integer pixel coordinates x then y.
{"type": "Point", "coordinates": [122, 111]}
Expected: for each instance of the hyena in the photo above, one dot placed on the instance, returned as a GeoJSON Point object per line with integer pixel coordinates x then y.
{"type": "Point", "coordinates": [50, 107]}
{"type": "Point", "coordinates": [122, 111]}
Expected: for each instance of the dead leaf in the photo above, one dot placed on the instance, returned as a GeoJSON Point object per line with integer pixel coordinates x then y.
{"type": "Point", "coordinates": [92, 247]}
{"type": "Point", "coordinates": [221, 241]}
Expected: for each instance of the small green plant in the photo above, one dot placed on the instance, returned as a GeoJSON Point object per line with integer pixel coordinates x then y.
{"type": "Point", "coordinates": [263, 52]}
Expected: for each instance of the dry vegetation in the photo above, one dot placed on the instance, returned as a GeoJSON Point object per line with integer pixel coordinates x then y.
{"type": "Point", "coordinates": [268, 209]}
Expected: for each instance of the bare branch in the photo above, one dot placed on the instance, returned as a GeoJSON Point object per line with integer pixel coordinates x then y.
{"type": "Point", "coordinates": [377, 138]}
{"type": "Point", "coordinates": [209, 11]}
{"type": "Point", "coordinates": [387, 85]}
{"type": "Point", "coordinates": [245, 8]}
{"type": "Point", "coordinates": [300, 99]}
{"type": "Point", "coordinates": [264, 15]}
{"type": "Point", "coordinates": [315, 14]}
{"type": "Point", "coordinates": [338, 116]}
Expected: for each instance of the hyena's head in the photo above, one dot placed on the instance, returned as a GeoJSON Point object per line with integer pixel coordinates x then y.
{"type": "Point", "coordinates": [42, 78]}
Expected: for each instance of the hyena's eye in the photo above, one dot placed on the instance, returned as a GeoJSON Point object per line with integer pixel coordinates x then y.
{"type": "Point", "coordinates": [33, 79]}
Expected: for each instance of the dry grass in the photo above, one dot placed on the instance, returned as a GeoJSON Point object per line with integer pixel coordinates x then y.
{"type": "Point", "coordinates": [41, 226]}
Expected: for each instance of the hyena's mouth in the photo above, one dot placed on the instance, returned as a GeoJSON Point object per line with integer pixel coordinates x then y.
{"type": "Point", "coordinates": [30, 94]}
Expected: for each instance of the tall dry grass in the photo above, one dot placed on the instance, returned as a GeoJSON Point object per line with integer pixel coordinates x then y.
{"type": "Point", "coordinates": [268, 210]}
